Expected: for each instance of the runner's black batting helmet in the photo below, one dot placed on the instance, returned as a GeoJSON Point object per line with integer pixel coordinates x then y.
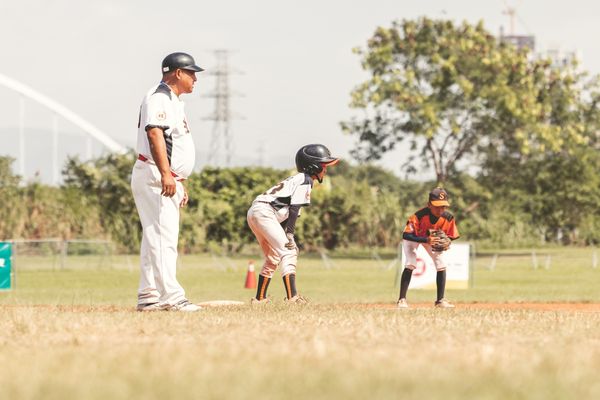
{"type": "Point", "coordinates": [179, 61]}
{"type": "Point", "coordinates": [311, 159]}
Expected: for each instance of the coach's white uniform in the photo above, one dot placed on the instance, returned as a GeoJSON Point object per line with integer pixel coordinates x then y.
{"type": "Point", "coordinates": [267, 213]}
{"type": "Point", "coordinates": [159, 214]}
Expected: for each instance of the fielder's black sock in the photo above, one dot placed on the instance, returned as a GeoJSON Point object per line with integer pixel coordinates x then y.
{"type": "Point", "coordinates": [289, 281]}
{"type": "Point", "coordinates": [440, 280]}
{"type": "Point", "coordinates": [404, 282]}
{"type": "Point", "coordinates": [263, 285]}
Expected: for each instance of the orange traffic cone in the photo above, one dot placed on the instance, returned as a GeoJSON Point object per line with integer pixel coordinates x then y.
{"type": "Point", "coordinates": [250, 276]}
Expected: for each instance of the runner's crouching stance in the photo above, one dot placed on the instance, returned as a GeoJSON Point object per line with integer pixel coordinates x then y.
{"type": "Point", "coordinates": [272, 218]}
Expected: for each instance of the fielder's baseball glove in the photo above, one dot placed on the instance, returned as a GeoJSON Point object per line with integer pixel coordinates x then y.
{"type": "Point", "coordinates": [438, 240]}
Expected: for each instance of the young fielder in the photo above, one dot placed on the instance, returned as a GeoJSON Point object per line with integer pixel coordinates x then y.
{"type": "Point", "coordinates": [272, 218]}
{"type": "Point", "coordinates": [432, 227]}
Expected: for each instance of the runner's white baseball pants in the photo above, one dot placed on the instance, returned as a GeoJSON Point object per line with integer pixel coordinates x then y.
{"type": "Point", "coordinates": [262, 219]}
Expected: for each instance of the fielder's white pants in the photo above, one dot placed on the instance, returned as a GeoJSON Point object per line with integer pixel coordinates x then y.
{"type": "Point", "coordinates": [262, 219]}
{"type": "Point", "coordinates": [159, 216]}
{"type": "Point", "coordinates": [410, 251]}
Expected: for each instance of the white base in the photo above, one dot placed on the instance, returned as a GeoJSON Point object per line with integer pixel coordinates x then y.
{"type": "Point", "coordinates": [220, 303]}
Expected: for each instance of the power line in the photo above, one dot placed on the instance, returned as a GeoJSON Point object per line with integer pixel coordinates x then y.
{"type": "Point", "coordinates": [222, 114]}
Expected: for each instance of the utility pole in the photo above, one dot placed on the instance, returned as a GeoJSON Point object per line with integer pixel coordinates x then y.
{"type": "Point", "coordinates": [22, 136]}
{"type": "Point", "coordinates": [55, 149]}
{"type": "Point", "coordinates": [222, 114]}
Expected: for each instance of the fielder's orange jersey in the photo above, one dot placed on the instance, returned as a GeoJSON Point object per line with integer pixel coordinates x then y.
{"type": "Point", "coordinates": [420, 222]}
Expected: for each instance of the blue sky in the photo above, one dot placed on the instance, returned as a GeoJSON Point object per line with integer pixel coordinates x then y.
{"type": "Point", "coordinates": [98, 58]}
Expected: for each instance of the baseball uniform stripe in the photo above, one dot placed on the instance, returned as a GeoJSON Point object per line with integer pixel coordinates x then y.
{"type": "Point", "coordinates": [263, 288]}
{"type": "Point", "coordinates": [288, 288]}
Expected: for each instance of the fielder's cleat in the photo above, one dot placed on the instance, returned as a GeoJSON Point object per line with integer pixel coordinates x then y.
{"type": "Point", "coordinates": [402, 303]}
{"type": "Point", "coordinates": [148, 307]}
{"type": "Point", "coordinates": [255, 302]}
{"type": "Point", "coordinates": [443, 303]}
{"type": "Point", "coordinates": [297, 299]}
{"type": "Point", "coordinates": [184, 305]}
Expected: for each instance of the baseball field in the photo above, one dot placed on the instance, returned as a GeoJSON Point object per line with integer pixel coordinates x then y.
{"type": "Point", "coordinates": [519, 333]}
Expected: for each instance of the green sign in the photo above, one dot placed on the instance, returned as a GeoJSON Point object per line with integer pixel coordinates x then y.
{"type": "Point", "coordinates": [5, 261]}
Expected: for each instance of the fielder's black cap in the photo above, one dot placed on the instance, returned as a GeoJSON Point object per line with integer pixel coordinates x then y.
{"type": "Point", "coordinates": [180, 61]}
{"type": "Point", "coordinates": [439, 197]}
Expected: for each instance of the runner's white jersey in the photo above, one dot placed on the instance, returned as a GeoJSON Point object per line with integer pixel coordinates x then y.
{"type": "Point", "coordinates": [161, 108]}
{"type": "Point", "coordinates": [295, 190]}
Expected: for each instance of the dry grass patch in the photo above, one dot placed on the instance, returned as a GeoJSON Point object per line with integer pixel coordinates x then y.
{"type": "Point", "coordinates": [316, 352]}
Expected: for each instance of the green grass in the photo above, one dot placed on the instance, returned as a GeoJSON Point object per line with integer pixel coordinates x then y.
{"type": "Point", "coordinates": [61, 339]}
{"type": "Point", "coordinates": [101, 280]}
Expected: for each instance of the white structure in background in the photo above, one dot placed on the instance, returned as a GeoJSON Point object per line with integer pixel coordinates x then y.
{"type": "Point", "coordinates": [59, 110]}
{"type": "Point", "coordinates": [519, 41]}
{"type": "Point", "coordinates": [560, 58]}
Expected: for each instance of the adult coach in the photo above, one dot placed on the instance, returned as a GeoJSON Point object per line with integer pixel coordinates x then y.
{"type": "Point", "coordinates": [166, 157]}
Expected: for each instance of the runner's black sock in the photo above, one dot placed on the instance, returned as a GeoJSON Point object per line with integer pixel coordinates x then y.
{"type": "Point", "coordinates": [440, 280]}
{"type": "Point", "coordinates": [404, 282]}
{"type": "Point", "coordinates": [289, 281]}
{"type": "Point", "coordinates": [263, 285]}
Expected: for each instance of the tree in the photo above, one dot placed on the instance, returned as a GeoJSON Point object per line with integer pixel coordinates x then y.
{"type": "Point", "coordinates": [219, 201]}
{"type": "Point", "coordinates": [11, 207]}
{"type": "Point", "coordinates": [456, 92]}
{"type": "Point", "coordinates": [104, 187]}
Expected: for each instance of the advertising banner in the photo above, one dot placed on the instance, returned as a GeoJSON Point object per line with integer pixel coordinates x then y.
{"type": "Point", "coordinates": [5, 265]}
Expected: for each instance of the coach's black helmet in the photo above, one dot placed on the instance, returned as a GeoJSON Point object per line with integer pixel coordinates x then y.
{"type": "Point", "coordinates": [179, 61]}
{"type": "Point", "coordinates": [311, 159]}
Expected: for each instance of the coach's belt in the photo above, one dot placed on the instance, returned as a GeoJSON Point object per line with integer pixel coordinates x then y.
{"type": "Point", "coordinates": [145, 159]}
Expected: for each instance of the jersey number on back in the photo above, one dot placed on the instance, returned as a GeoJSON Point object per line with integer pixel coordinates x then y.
{"type": "Point", "coordinates": [275, 189]}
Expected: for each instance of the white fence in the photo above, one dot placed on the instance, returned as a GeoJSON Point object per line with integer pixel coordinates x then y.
{"type": "Point", "coordinates": [62, 254]}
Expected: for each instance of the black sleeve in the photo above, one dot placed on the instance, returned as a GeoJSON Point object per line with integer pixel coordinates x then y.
{"type": "Point", "coordinates": [414, 238]}
{"type": "Point", "coordinates": [163, 127]}
{"type": "Point", "coordinates": [291, 221]}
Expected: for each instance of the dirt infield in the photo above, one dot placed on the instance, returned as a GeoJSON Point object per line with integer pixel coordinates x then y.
{"type": "Point", "coordinates": [567, 307]}
{"type": "Point", "coordinates": [587, 307]}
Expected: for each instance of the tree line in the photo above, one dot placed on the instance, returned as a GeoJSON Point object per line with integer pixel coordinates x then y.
{"type": "Point", "coordinates": [361, 206]}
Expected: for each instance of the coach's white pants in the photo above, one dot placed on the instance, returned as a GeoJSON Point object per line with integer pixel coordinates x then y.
{"type": "Point", "coordinates": [410, 251]}
{"type": "Point", "coordinates": [262, 219]}
{"type": "Point", "coordinates": [159, 216]}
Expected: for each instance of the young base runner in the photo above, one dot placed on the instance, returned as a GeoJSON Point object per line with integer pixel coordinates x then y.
{"type": "Point", "coordinates": [432, 227]}
{"type": "Point", "coordinates": [272, 218]}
